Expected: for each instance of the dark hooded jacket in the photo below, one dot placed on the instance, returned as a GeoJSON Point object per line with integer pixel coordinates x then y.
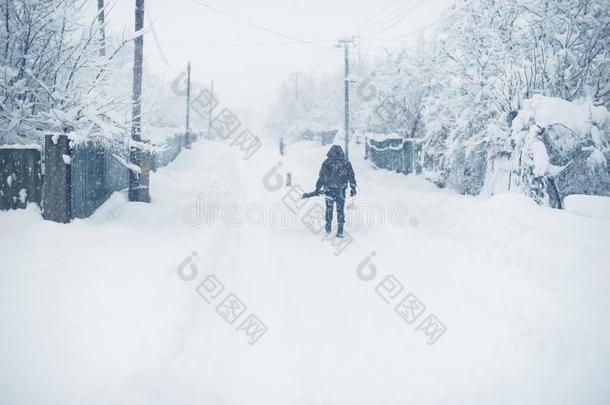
{"type": "Point", "coordinates": [336, 171]}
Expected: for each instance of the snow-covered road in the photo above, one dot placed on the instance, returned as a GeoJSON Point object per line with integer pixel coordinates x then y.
{"type": "Point", "coordinates": [95, 311]}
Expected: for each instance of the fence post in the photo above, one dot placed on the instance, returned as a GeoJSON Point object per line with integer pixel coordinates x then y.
{"type": "Point", "coordinates": [143, 160]}
{"type": "Point", "coordinates": [57, 184]}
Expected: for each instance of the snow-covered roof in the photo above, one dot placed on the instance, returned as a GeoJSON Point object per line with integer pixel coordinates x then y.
{"type": "Point", "coordinates": [377, 137]}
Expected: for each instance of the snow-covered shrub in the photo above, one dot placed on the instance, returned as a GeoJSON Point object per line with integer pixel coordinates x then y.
{"type": "Point", "coordinates": [555, 148]}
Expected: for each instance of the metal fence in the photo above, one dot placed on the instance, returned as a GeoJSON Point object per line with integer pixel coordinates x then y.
{"type": "Point", "coordinates": [402, 155]}
{"type": "Point", "coordinates": [96, 174]}
{"type": "Point", "coordinates": [70, 181]}
{"type": "Point", "coordinates": [169, 150]}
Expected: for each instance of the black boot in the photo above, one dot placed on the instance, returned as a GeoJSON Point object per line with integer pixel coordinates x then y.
{"type": "Point", "coordinates": [327, 227]}
{"type": "Point", "coordinates": [340, 231]}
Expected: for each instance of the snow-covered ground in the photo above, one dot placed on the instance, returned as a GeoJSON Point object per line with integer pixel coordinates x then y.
{"type": "Point", "coordinates": [95, 312]}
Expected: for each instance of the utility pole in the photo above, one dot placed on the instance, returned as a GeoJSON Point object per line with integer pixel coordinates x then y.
{"type": "Point", "coordinates": [138, 182]}
{"type": "Point", "coordinates": [101, 18]}
{"type": "Point", "coordinates": [295, 78]}
{"type": "Point", "coordinates": [8, 11]}
{"type": "Point", "coordinates": [345, 43]}
{"type": "Point", "coordinates": [359, 50]}
{"type": "Point", "coordinates": [211, 108]}
{"type": "Point", "coordinates": [188, 99]}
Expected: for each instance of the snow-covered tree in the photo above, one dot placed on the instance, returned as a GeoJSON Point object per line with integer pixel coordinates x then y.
{"type": "Point", "coordinates": [494, 55]}
{"type": "Point", "coordinates": [52, 77]}
{"type": "Point", "coordinates": [315, 105]}
{"type": "Point", "coordinates": [391, 96]}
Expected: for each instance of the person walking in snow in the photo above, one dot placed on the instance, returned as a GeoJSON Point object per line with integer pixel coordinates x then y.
{"type": "Point", "coordinates": [336, 174]}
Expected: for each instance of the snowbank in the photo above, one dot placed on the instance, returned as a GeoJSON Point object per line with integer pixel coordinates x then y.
{"type": "Point", "coordinates": [588, 205]}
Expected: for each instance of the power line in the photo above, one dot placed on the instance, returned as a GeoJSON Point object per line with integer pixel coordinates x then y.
{"type": "Point", "coordinates": [409, 34]}
{"type": "Point", "coordinates": [370, 20]}
{"type": "Point", "coordinates": [157, 43]}
{"type": "Point", "coordinates": [399, 18]}
{"type": "Point", "coordinates": [400, 37]}
{"type": "Point", "coordinates": [320, 65]}
{"type": "Point", "coordinates": [392, 16]}
{"type": "Point", "coordinates": [238, 44]}
{"type": "Point", "coordinates": [253, 24]}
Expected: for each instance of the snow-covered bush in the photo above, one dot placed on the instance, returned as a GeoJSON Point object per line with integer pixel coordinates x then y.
{"type": "Point", "coordinates": [556, 148]}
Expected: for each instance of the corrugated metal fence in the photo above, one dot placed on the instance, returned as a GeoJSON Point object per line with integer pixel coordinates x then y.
{"type": "Point", "coordinates": [402, 155]}
{"type": "Point", "coordinates": [74, 181]}
{"type": "Point", "coordinates": [96, 174]}
{"type": "Point", "coordinates": [169, 151]}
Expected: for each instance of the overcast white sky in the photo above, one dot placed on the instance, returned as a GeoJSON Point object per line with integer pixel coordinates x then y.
{"type": "Point", "coordinates": [246, 68]}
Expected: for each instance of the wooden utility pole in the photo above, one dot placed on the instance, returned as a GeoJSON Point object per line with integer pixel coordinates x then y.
{"type": "Point", "coordinates": [295, 78]}
{"type": "Point", "coordinates": [211, 108]}
{"type": "Point", "coordinates": [188, 99]}
{"type": "Point", "coordinates": [138, 182]}
{"type": "Point", "coordinates": [188, 139]}
{"type": "Point", "coordinates": [8, 5]}
{"type": "Point", "coordinates": [345, 43]}
{"type": "Point", "coordinates": [138, 62]}
{"type": "Point", "coordinates": [101, 18]}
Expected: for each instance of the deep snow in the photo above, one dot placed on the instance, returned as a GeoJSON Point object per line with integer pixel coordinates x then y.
{"type": "Point", "coordinates": [94, 312]}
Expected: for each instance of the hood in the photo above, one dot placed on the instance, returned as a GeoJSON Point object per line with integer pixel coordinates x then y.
{"type": "Point", "coordinates": [335, 152]}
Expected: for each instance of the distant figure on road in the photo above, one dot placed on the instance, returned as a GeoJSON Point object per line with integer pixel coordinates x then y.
{"type": "Point", "coordinates": [336, 174]}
